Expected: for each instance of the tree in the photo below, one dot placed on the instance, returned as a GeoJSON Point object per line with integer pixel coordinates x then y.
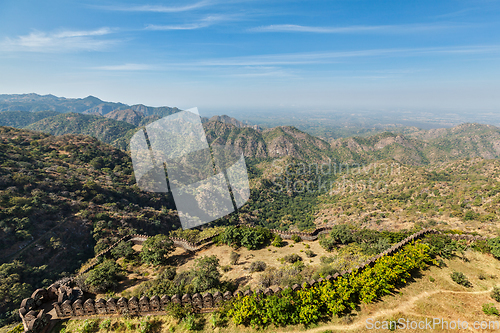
{"type": "Point", "coordinates": [278, 241]}
{"type": "Point", "coordinates": [206, 273]}
{"type": "Point", "coordinates": [123, 250]}
{"type": "Point", "coordinates": [342, 233]}
{"type": "Point", "coordinates": [494, 244]}
{"type": "Point", "coordinates": [104, 277]}
{"type": "Point", "coordinates": [155, 249]}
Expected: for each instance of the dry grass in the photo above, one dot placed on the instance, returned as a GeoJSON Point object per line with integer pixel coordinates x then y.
{"type": "Point", "coordinates": [430, 295]}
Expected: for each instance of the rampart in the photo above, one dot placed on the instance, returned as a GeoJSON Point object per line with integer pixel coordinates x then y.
{"type": "Point", "coordinates": [66, 302]}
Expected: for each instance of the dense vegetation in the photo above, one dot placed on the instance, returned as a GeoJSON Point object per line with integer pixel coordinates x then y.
{"type": "Point", "coordinates": [64, 199]}
{"type": "Point", "coordinates": [310, 305]}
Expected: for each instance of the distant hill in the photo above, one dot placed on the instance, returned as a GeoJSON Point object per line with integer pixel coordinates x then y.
{"type": "Point", "coordinates": [133, 117]}
{"type": "Point", "coordinates": [104, 129]}
{"type": "Point", "coordinates": [276, 142]}
{"type": "Point", "coordinates": [88, 105]}
{"type": "Point", "coordinates": [35, 102]}
{"type": "Point", "coordinates": [22, 118]}
{"type": "Point", "coordinates": [422, 147]}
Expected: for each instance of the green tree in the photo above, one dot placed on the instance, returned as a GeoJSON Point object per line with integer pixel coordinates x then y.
{"type": "Point", "coordinates": [104, 277]}
{"type": "Point", "coordinates": [155, 249]}
{"type": "Point", "coordinates": [206, 273]}
{"type": "Point", "coordinates": [123, 250]}
{"type": "Point", "coordinates": [494, 244]}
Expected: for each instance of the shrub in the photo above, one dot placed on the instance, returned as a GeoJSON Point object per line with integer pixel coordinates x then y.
{"type": "Point", "coordinates": [327, 243]}
{"type": "Point", "coordinates": [494, 244]}
{"type": "Point", "coordinates": [310, 253]}
{"type": "Point", "coordinates": [177, 311]}
{"type": "Point", "coordinates": [155, 249]}
{"type": "Point", "coordinates": [233, 258]}
{"type": "Point", "coordinates": [89, 326]}
{"type": "Point", "coordinates": [310, 305]}
{"type": "Point", "coordinates": [205, 273]}
{"type": "Point", "coordinates": [461, 279]}
{"type": "Point", "coordinates": [490, 309]}
{"type": "Point", "coordinates": [104, 276]}
{"type": "Point", "coordinates": [495, 294]}
{"type": "Point", "coordinates": [296, 238]}
{"type": "Point", "coordinates": [278, 241]}
{"type": "Point", "coordinates": [226, 268]}
{"type": "Point", "coordinates": [105, 325]}
{"type": "Point", "coordinates": [342, 233]}
{"type": "Point", "coordinates": [257, 266]}
{"type": "Point", "coordinates": [217, 320]}
{"type": "Point", "coordinates": [251, 238]}
{"type": "Point", "coordinates": [189, 322]}
{"type": "Point", "coordinates": [123, 250]}
{"type": "Point", "coordinates": [291, 258]}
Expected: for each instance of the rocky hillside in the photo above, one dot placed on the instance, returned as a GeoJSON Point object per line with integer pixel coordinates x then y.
{"type": "Point", "coordinates": [422, 147]}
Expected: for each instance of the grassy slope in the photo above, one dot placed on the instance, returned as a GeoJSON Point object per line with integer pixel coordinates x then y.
{"type": "Point", "coordinates": [431, 294]}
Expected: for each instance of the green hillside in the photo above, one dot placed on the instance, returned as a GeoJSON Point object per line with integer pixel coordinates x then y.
{"type": "Point", "coordinates": [63, 199]}
{"type": "Point", "coordinates": [104, 129]}
{"type": "Point", "coordinates": [21, 119]}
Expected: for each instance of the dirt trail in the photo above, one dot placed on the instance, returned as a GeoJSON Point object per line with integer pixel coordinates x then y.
{"type": "Point", "coordinates": [389, 312]}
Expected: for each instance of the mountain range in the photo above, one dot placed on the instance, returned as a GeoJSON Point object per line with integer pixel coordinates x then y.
{"type": "Point", "coordinates": [115, 124]}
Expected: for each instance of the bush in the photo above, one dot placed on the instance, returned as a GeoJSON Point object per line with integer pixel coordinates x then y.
{"type": "Point", "coordinates": [327, 243]}
{"type": "Point", "coordinates": [342, 233]}
{"type": "Point", "coordinates": [257, 266]}
{"type": "Point", "coordinates": [328, 298]}
{"type": "Point", "coordinates": [495, 294]}
{"type": "Point", "coordinates": [105, 325]}
{"type": "Point", "coordinates": [291, 258]}
{"type": "Point", "coordinates": [226, 268]}
{"type": "Point", "coordinates": [278, 241]}
{"type": "Point", "coordinates": [89, 326]}
{"type": "Point", "coordinates": [494, 244]}
{"type": "Point", "coordinates": [155, 249]}
{"type": "Point", "coordinates": [233, 258]}
{"type": "Point", "coordinates": [310, 253]}
{"type": "Point", "coordinates": [189, 322]}
{"type": "Point", "coordinates": [123, 250]}
{"type": "Point", "coordinates": [251, 238]}
{"type": "Point", "coordinates": [296, 238]}
{"type": "Point", "coordinates": [461, 279]}
{"type": "Point", "coordinates": [490, 309]}
{"type": "Point", "coordinates": [206, 274]}
{"type": "Point", "coordinates": [104, 276]}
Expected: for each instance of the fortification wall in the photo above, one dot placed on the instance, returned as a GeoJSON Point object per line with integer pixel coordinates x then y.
{"type": "Point", "coordinates": [68, 302]}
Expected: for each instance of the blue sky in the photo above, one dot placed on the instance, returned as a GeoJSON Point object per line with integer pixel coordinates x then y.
{"type": "Point", "coordinates": [257, 55]}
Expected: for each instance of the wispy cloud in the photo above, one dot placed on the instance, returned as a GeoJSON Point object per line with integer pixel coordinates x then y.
{"type": "Point", "coordinates": [404, 28]}
{"type": "Point", "coordinates": [62, 41]}
{"type": "Point", "coordinates": [158, 8]}
{"type": "Point", "coordinates": [203, 23]}
{"type": "Point", "coordinates": [125, 67]}
{"type": "Point", "coordinates": [333, 57]}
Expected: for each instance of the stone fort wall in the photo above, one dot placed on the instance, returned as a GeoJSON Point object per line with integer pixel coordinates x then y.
{"type": "Point", "coordinates": [68, 302]}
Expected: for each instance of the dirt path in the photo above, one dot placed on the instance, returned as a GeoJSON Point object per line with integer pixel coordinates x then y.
{"type": "Point", "coordinates": [389, 312]}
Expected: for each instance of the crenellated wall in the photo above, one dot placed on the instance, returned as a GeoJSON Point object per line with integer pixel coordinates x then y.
{"type": "Point", "coordinates": [68, 302]}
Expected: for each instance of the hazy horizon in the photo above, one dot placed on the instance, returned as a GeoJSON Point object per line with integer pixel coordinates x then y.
{"type": "Point", "coordinates": [257, 55]}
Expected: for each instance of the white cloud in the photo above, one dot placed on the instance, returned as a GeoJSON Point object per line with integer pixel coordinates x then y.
{"type": "Point", "coordinates": [332, 57]}
{"type": "Point", "coordinates": [63, 41]}
{"type": "Point", "coordinates": [404, 28]}
{"type": "Point", "coordinates": [125, 67]}
{"type": "Point", "coordinates": [203, 23]}
{"type": "Point", "coordinates": [157, 8]}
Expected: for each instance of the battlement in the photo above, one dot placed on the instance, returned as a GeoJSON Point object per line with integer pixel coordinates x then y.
{"type": "Point", "coordinates": [68, 302]}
